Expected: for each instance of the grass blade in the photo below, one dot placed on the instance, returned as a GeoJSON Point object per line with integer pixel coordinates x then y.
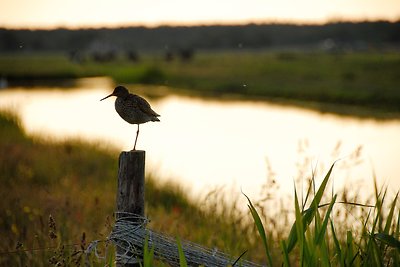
{"type": "Point", "coordinates": [260, 228]}
{"type": "Point", "coordinates": [349, 249]}
{"type": "Point", "coordinates": [182, 258]}
{"type": "Point", "coordinates": [390, 216]}
{"type": "Point", "coordinates": [397, 233]}
{"type": "Point", "coordinates": [148, 255]}
{"type": "Point", "coordinates": [309, 213]}
{"type": "Point", "coordinates": [322, 231]}
{"type": "Point", "coordinates": [337, 245]}
{"type": "Point", "coordinates": [286, 261]}
{"type": "Point", "coordinates": [321, 189]}
{"type": "Point", "coordinates": [300, 229]}
{"type": "Point", "coordinates": [238, 259]}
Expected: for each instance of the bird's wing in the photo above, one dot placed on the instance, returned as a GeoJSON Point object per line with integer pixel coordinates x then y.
{"type": "Point", "coordinates": [144, 106]}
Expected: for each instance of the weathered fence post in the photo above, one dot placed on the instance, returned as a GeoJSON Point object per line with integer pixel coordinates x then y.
{"type": "Point", "coordinates": [130, 191]}
{"type": "Point", "coordinates": [129, 231]}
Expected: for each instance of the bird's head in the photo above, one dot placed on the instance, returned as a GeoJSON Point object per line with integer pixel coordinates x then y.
{"type": "Point", "coordinates": [119, 91]}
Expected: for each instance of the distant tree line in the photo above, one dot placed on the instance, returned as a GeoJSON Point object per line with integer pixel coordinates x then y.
{"type": "Point", "coordinates": [169, 39]}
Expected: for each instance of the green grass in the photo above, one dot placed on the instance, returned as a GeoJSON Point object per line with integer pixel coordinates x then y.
{"type": "Point", "coordinates": [57, 197]}
{"type": "Point", "coordinates": [352, 79]}
{"type": "Point", "coordinates": [315, 240]}
{"type": "Point", "coordinates": [355, 79]}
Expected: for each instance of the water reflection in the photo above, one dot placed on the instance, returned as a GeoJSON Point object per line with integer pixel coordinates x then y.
{"type": "Point", "coordinates": [205, 143]}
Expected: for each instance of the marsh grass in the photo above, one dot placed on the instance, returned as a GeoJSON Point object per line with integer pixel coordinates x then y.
{"type": "Point", "coordinates": [58, 197]}
{"type": "Point", "coordinates": [314, 240]}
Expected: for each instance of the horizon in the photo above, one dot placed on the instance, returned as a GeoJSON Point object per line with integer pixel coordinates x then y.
{"type": "Point", "coordinates": [75, 14]}
{"type": "Point", "coordinates": [210, 24]}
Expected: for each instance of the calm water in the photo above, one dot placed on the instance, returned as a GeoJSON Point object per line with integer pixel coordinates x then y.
{"type": "Point", "coordinates": [206, 144]}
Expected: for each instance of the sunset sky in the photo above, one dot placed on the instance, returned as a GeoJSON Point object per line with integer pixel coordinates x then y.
{"type": "Point", "coordinates": [106, 13]}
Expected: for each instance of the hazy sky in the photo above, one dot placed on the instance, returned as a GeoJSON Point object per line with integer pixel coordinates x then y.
{"type": "Point", "coordinates": [97, 13]}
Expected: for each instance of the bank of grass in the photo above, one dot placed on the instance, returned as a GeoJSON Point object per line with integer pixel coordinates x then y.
{"type": "Point", "coordinates": [355, 79]}
{"type": "Point", "coordinates": [75, 184]}
{"type": "Point", "coordinates": [57, 197]}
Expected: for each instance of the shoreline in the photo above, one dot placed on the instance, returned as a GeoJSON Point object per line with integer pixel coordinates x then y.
{"type": "Point", "coordinates": [349, 84]}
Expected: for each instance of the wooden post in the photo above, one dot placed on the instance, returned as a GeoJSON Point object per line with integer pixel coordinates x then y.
{"type": "Point", "coordinates": [130, 191]}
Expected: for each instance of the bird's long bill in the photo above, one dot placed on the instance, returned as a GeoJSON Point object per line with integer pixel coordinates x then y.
{"type": "Point", "coordinates": [106, 97]}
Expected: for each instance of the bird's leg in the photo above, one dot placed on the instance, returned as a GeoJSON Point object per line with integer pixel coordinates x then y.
{"type": "Point", "coordinates": [137, 134]}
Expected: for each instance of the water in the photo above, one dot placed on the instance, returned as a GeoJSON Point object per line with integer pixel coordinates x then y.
{"type": "Point", "coordinates": [205, 144]}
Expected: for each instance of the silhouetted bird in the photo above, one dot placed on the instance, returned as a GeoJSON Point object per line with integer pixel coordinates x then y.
{"type": "Point", "coordinates": [132, 108]}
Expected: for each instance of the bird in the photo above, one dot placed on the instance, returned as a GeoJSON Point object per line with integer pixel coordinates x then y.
{"type": "Point", "coordinates": [132, 108]}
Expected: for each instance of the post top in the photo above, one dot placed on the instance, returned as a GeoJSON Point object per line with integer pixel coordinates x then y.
{"type": "Point", "coordinates": [133, 152]}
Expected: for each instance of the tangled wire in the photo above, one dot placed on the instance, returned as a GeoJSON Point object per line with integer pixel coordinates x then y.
{"type": "Point", "coordinates": [130, 234]}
